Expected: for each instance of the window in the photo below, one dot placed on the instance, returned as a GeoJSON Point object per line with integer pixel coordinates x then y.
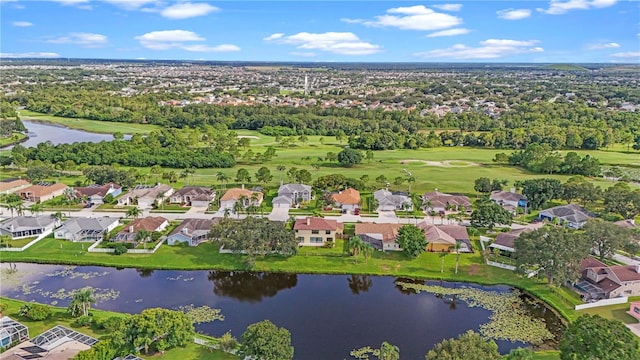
{"type": "Point", "coordinates": [636, 310]}
{"type": "Point", "coordinates": [316, 240]}
{"type": "Point", "coordinates": [329, 239]}
{"type": "Point", "coordinates": [315, 231]}
{"type": "Point", "coordinates": [300, 239]}
{"type": "Point", "coordinates": [328, 232]}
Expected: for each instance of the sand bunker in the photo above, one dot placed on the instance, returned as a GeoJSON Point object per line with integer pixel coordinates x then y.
{"type": "Point", "coordinates": [247, 137]}
{"type": "Point", "coordinates": [446, 163]}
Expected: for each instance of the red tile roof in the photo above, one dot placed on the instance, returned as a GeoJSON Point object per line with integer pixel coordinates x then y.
{"type": "Point", "coordinates": [316, 223]}
{"type": "Point", "coordinates": [347, 196]}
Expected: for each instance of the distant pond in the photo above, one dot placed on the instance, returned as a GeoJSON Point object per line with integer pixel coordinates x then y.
{"type": "Point", "coordinates": [40, 132]}
{"type": "Point", "coordinates": [328, 315]}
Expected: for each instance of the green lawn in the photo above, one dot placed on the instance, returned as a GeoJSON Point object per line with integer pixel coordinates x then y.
{"type": "Point", "coordinates": [95, 126]}
{"type": "Point", "coordinates": [546, 355]}
{"type": "Point", "coordinates": [15, 138]}
{"type": "Point", "coordinates": [61, 317]}
{"type": "Point", "coordinates": [21, 242]}
{"type": "Point", "coordinates": [618, 312]}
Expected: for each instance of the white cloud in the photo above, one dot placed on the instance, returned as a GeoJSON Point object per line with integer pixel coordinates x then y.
{"type": "Point", "coordinates": [343, 43]}
{"type": "Point", "coordinates": [188, 10]}
{"type": "Point", "coordinates": [488, 49]}
{"type": "Point", "coordinates": [71, 2]}
{"type": "Point", "coordinates": [513, 14]}
{"type": "Point", "coordinates": [21, 23]}
{"type": "Point", "coordinates": [450, 32]}
{"type": "Point", "coordinates": [558, 7]}
{"type": "Point", "coordinates": [275, 36]}
{"type": "Point", "coordinates": [626, 55]}
{"type": "Point", "coordinates": [416, 17]}
{"type": "Point", "coordinates": [448, 7]}
{"type": "Point", "coordinates": [84, 39]}
{"type": "Point", "coordinates": [30, 55]}
{"type": "Point", "coordinates": [601, 46]}
{"type": "Point", "coordinates": [206, 48]}
{"type": "Point", "coordinates": [130, 5]}
{"type": "Point", "coordinates": [176, 39]}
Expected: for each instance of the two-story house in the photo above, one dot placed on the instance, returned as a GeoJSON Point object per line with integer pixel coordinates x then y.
{"type": "Point", "coordinates": [602, 281]}
{"type": "Point", "coordinates": [315, 231]}
{"type": "Point", "coordinates": [291, 194]}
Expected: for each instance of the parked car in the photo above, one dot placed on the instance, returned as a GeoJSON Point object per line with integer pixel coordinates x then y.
{"type": "Point", "coordinates": [356, 211]}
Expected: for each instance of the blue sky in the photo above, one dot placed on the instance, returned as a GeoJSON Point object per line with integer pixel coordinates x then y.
{"type": "Point", "coordinates": [575, 31]}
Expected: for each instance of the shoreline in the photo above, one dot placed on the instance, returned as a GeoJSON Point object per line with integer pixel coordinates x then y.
{"type": "Point", "coordinates": [11, 144]}
{"type": "Point", "coordinates": [538, 290]}
{"type": "Point", "coordinates": [62, 126]}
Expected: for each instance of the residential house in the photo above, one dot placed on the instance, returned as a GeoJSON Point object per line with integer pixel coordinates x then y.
{"type": "Point", "coordinates": [437, 240]}
{"type": "Point", "coordinates": [192, 231]}
{"type": "Point", "coordinates": [441, 202]}
{"type": "Point", "coordinates": [12, 185]}
{"type": "Point", "coordinates": [21, 227]}
{"type": "Point", "coordinates": [86, 229]}
{"type": "Point", "coordinates": [150, 224]}
{"type": "Point", "coordinates": [461, 235]}
{"type": "Point", "coordinates": [509, 200]}
{"type": "Point", "coordinates": [571, 215]}
{"type": "Point", "coordinates": [506, 241]}
{"type": "Point", "coordinates": [347, 199]}
{"type": "Point", "coordinates": [233, 195]}
{"type": "Point", "coordinates": [628, 224]}
{"type": "Point", "coordinates": [95, 193]}
{"type": "Point", "coordinates": [291, 194]}
{"type": "Point", "coordinates": [145, 196]}
{"type": "Point", "coordinates": [315, 231]}
{"type": "Point", "coordinates": [380, 236]}
{"type": "Point", "coordinates": [41, 192]}
{"type": "Point", "coordinates": [198, 196]}
{"type": "Point", "coordinates": [391, 201]}
{"type": "Point", "coordinates": [634, 310]}
{"type": "Point", "coordinates": [600, 281]}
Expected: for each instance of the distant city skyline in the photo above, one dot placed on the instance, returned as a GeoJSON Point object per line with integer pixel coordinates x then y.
{"type": "Point", "coordinates": [555, 31]}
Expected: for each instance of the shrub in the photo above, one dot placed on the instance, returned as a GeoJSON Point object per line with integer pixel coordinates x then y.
{"type": "Point", "coordinates": [119, 249]}
{"type": "Point", "coordinates": [112, 324]}
{"type": "Point", "coordinates": [35, 311]}
{"type": "Point", "coordinates": [227, 342]}
{"type": "Point", "coordinates": [3, 307]}
{"type": "Point", "coordinates": [84, 321]}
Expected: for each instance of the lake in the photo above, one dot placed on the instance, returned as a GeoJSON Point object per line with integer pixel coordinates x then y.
{"type": "Point", "coordinates": [41, 132]}
{"type": "Point", "coordinates": [328, 315]}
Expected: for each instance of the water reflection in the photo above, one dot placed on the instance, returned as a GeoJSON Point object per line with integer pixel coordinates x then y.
{"type": "Point", "coordinates": [145, 273]}
{"type": "Point", "coordinates": [250, 286]}
{"type": "Point", "coordinates": [359, 283]}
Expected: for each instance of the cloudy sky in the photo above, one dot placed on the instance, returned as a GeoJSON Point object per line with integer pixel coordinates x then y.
{"type": "Point", "coordinates": [377, 31]}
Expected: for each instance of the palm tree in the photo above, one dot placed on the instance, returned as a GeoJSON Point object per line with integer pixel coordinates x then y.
{"type": "Point", "coordinates": [36, 208]}
{"type": "Point", "coordinates": [442, 256]}
{"type": "Point", "coordinates": [389, 351]}
{"type": "Point", "coordinates": [227, 212]}
{"type": "Point", "coordinates": [84, 298]}
{"type": "Point", "coordinates": [237, 208]}
{"type": "Point", "coordinates": [356, 246]}
{"type": "Point", "coordinates": [243, 200]}
{"type": "Point", "coordinates": [57, 215]}
{"type": "Point", "coordinates": [143, 235]}
{"type": "Point", "coordinates": [134, 212]}
{"type": "Point", "coordinates": [367, 251]}
{"type": "Point", "coordinates": [222, 178]}
{"type": "Point", "coordinates": [457, 248]}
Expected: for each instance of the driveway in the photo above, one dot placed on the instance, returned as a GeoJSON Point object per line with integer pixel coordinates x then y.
{"type": "Point", "coordinates": [279, 214]}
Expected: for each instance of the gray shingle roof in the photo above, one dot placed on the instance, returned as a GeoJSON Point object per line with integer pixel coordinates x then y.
{"type": "Point", "coordinates": [21, 223]}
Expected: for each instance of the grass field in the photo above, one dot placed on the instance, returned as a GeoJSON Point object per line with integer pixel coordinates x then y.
{"type": "Point", "coordinates": [95, 126]}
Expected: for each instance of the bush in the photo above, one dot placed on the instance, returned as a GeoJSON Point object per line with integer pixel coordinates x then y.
{"type": "Point", "coordinates": [227, 342]}
{"type": "Point", "coordinates": [3, 307]}
{"type": "Point", "coordinates": [112, 324]}
{"type": "Point", "coordinates": [35, 311]}
{"type": "Point", "coordinates": [84, 321]}
{"type": "Point", "coordinates": [120, 249]}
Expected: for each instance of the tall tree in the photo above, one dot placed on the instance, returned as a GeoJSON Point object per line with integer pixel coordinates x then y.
{"type": "Point", "coordinates": [264, 175]}
{"type": "Point", "coordinates": [349, 157]}
{"type": "Point", "coordinates": [555, 251]}
{"type": "Point", "coordinates": [81, 302]}
{"type": "Point", "coordinates": [156, 328]}
{"type": "Point", "coordinates": [412, 240]}
{"type": "Point", "coordinates": [482, 185]}
{"type": "Point", "coordinates": [539, 191]}
{"type": "Point", "coordinates": [594, 337]}
{"type": "Point", "coordinates": [606, 237]}
{"type": "Point", "coordinates": [355, 246]}
{"type": "Point", "coordinates": [134, 212]}
{"type": "Point", "coordinates": [488, 214]}
{"type": "Point", "coordinates": [265, 341]}
{"type": "Point", "coordinates": [468, 346]}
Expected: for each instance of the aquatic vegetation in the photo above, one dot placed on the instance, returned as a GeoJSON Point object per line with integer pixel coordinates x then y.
{"type": "Point", "coordinates": [363, 353]}
{"type": "Point", "coordinates": [70, 273]}
{"type": "Point", "coordinates": [509, 319]}
{"type": "Point", "coordinates": [99, 294]}
{"type": "Point", "coordinates": [201, 314]}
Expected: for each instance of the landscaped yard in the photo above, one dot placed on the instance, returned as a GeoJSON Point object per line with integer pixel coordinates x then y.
{"type": "Point", "coordinates": [20, 242]}
{"type": "Point", "coordinates": [618, 312]}
{"type": "Point", "coordinates": [60, 316]}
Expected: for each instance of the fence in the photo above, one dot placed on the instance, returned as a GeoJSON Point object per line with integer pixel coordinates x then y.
{"type": "Point", "coordinates": [604, 302]}
{"type": "Point", "coordinates": [40, 237]}
{"type": "Point", "coordinates": [93, 248]}
{"type": "Point", "coordinates": [484, 239]}
{"type": "Point", "coordinates": [502, 266]}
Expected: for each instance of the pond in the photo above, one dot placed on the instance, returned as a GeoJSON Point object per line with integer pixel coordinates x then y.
{"type": "Point", "coordinates": [328, 315]}
{"type": "Point", "coordinates": [41, 132]}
